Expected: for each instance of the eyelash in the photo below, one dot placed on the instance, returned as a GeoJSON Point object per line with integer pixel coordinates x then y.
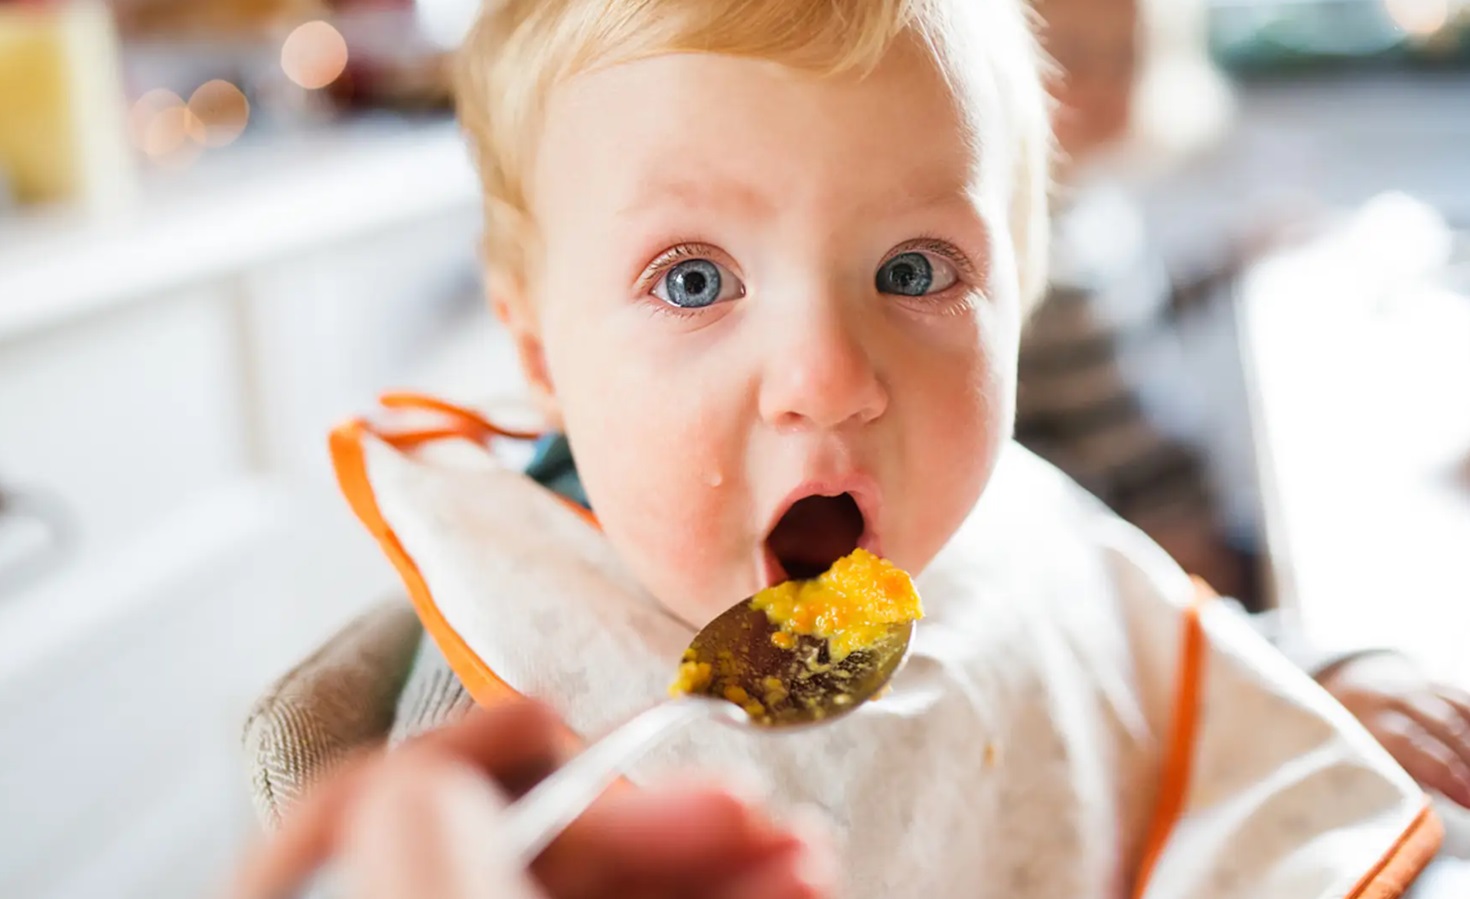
{"type": "Point", "coordinates": [956, 299]}
{"type": "Point", "coordinates": [942, 248]}
{"type": "Point", "coordinates": [681, 252]}
{"type": "Point", "coordinates": [661, 265]}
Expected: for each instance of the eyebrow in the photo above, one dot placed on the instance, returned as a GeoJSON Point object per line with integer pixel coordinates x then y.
{"type": "Point", "coordinates": [922, 190]}
{"type": "Point", "coordinates": [700, 193]}
{"type": "Point", "coordinates": [925, 192]}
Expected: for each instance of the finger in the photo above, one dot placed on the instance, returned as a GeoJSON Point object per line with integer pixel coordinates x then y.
{"type": "Point", "coordinates": [1443, 722]}
{"type": "Point", "coordinates": [518, 744]}
{"type": "Point", "coordinates": [674, 837]}
{"type": "Point", "coordinates": [787, 875]}
{"type": "Point", "coordinates": [809, 871]}
{"type": "Point", "coordinates": [1458, 698]}
{"type": "Point", "coordinates": [520, 741]}
{"type": "Point", "coordinates": [306, 837]}
{"type": "Point", "coordinates": [1428, 761]}
{"type": "Point", "coordinates": [428, 828]}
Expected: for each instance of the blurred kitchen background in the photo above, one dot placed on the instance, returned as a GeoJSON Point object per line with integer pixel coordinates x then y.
{"type": "Point", "coordinates": [227, 224]}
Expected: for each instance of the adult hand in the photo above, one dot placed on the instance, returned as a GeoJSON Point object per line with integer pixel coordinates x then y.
{"type": "Point", "coordinates": [1424, 725]}
{"type": "Point", "coordinates": [423, 821]}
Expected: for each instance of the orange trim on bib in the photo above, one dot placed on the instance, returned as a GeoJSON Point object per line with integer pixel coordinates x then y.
{"type": "Point", "coordinates": [348, 459]}
{"type": "Point", "coordinates": [1405, 860]}
{"type": "Point", "coordinates": [1389, 878]}
{"type": "Point", "coordinates": [404, 441]}
{"type": "Point", "coordinates": [350, 463]}
{"type": "Point", "coordinates": [1179, 757]}
{"type": "Point", "coordinates": [463, 424]}
{"type": "Point", "coordinates": [466, 418]}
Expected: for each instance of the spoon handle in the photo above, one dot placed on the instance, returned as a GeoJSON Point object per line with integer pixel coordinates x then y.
{"type": "Point", "coordinates": [537, 818]}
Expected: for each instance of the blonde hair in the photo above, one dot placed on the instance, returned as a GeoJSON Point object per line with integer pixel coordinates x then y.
{"type": "Point", "coordinates": [519, 50]}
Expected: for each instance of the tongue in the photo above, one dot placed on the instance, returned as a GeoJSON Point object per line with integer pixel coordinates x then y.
{"type": "Point", "coordinates": [816, 532]}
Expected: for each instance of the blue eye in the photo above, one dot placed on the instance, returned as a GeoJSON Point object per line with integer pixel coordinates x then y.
{"type": "Point", "coordinates": [915, 275]}
{"type": "Point", "coordinates": [697, 283]}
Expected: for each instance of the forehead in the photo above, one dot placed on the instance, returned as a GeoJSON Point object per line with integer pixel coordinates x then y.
{"type": "Point", "coordinates": [754, 137]}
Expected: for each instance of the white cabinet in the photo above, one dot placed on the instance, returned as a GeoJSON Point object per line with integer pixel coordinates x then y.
{"type": "Point", "coordinates": [124, 686]}
{"type": "Point", "coordinates": [126, 415]}
{"type": "Point", "coordinates": [329, 329]}
{"type": "Point", "coordinates": [179, 407]}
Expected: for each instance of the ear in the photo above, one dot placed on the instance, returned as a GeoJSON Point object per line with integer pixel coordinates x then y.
{"type": "Point", "coordinates": [512, 305]}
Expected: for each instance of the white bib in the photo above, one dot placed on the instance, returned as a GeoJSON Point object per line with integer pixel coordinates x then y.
{"type": "Point", "coordinates": [1068, 724]}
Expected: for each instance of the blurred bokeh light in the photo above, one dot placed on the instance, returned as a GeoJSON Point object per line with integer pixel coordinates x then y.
{"type": "Point", "coordinates": [218, 113]}
{"type": "Point", "coordinates": [314, 55]}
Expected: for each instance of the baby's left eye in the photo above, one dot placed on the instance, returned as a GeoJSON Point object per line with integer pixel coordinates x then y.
{"type": "Point", "coordinates": [916, 274]}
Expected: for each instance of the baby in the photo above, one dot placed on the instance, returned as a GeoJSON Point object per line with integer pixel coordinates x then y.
{"type": "Point", "coordinates": [766, 264]}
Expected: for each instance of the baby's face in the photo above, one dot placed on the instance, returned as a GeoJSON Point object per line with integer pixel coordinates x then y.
{"type": "Point", "coordinates": [777, 314]}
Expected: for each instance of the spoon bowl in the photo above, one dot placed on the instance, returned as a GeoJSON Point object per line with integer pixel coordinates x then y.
{"type": "Point", "coordinates": [782, 688]}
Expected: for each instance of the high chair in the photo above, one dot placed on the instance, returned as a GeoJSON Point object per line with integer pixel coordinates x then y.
{"type": "Point", "coordinates": [341, 699]}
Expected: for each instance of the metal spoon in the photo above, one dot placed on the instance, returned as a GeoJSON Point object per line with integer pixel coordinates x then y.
{"type": "Point", "coordinates": [788, 689]}
{"type": "Point", "coordinates": [796, 688]}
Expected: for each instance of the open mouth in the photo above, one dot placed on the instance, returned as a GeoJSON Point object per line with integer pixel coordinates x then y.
{"type": "Point", "coordinates": [815, 532]}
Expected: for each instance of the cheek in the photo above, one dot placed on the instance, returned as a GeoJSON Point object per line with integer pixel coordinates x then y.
{"type": "Point", "coordinates": [961, 407]}
{"type": "Point", "coordinates": [649, 451]}
{"type": "Point", "coordinates": [967, 405]}
{"type": "Point", "coordinates": [963, 369]}
{"type": "Point", "coordinates": [655, 506]}
{"type": "Point", "coordinates": [658, 510]}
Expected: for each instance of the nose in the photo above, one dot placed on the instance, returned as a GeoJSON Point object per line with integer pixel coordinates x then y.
{"type": "Point", "coordinates": [821, 373]}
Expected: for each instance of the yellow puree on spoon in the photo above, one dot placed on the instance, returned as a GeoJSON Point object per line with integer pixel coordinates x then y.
{"type": "Point", "coordinates": [851, 606]}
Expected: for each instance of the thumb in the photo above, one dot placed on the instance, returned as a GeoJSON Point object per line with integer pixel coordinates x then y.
{"type": "Point", "coordinates": [430, 830]}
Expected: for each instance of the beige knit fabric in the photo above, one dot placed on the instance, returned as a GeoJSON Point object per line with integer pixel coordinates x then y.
{"type": "Point", "coordinates": [343, 698]}
{"type": "Point", "coordinates": [433, 696]}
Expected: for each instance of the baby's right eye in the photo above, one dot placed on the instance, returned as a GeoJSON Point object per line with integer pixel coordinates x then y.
{"type": "Point", "coordinates": [696, 284]}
